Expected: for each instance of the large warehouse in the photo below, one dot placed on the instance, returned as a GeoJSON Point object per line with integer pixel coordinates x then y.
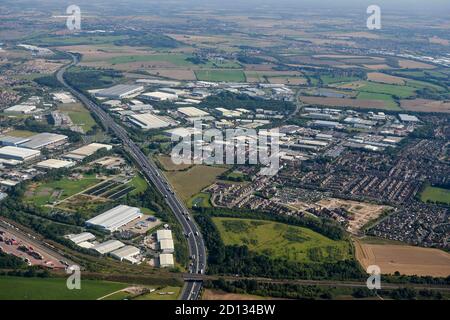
{"type": "Point", "coordinates": [127, 253]}
{"type": "Point", "coordinates": [21, 108]}
{"type": "Point", "coordinates": [167, 246]}
{"type": "Point", "coordinates": [86, 151]}
{"type": "Point", "coordinates": [192, 112]}
{"type": "Point", "coordinates": [108, 246]}
{"type": "Point", "coordinates": [79, 238]}
{"type": "Point", "coordinates": [12, 141]}
{"type": "Point", "coordinates": [44, 140]}
{"type": "Point", "coordinates": [166, 260]}
{"type": "Point", "coordinates": [54, 164]}
{"type": "Point", "coordinates": [149, 121]}
{"type": "Point", "coordinates": [115, 218]}
{"type": "Point", "coordinates": [120, 91]}
{"type": "Point", "coordinates": [164, 234]}
{"type": "Point", "coordinates": [20, 154]}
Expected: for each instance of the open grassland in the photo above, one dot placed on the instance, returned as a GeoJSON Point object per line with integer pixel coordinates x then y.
{"type": "Point", "coordinates": [18, 288]}
{"type": "Point", "coordinates": [280, 240]}
{"type": "Point", "coordinates": [435, 194]}
{"type": "Point", "coordinates": [75, 40]}
{"type": "Point", "coordinates": [79, 115]}
{"type": "Point", "coordinates": [175, 59]}
{"type": "Point", "coordinates": [210, 294]}
{"type": "Point", "coordinates": [388, 89]}
{"type": "Point", "coordinates": [201, 200]}
{"type": "Point", "coordinates": [220, 75]}
{"type": "Point", "coordinates": [21, 133]}
{"type": "Point", "coordinates": [42, 193]}
{"type": "Point", "coordinates": [192, 181]}
{"type": "Point", "coordinates": [424, 105]}
{"type": "Point", "coordinates": [384, 78]}
{"type": "Point", "coordinates": [168, 165]}
{"type": "Point", "coordinates": [405, 259]}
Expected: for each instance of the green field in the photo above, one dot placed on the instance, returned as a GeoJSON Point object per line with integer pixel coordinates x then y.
{"type": "Point", "coordinates": [79, 115]}
{"type": "Point", "coordinates": [435, 194]}
{"type": "Point", "coordinates": [76, 40]}
{"type": "Point", "coordinates": [220, 75]}
{"type": "Point", "coordinates": [42, 193]}
{"type": "Point", "coordinates": [21, 133]}
{"type": "Point", "coordinates": [280, 240]}
{"type": "Point", "coordinates": [176, 59]}
{"type": "Point", "coordinates": [17, 288]}
{"type": "Point", "coordinates": [390, 102]}
{"type": "Point", "coordinates": [201, 200]}
{"type": "Point", "coordinates": [388, 89]}
{"type": "Point", "coordinates": [332, 80]}
{"type": "Point", "coordinates": [139, 184]}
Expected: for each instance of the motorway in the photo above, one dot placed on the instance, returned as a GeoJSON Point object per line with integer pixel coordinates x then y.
{"type": "Point", "coordinates": [151, 172]}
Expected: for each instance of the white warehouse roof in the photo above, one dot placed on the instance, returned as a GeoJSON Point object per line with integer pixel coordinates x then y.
{"type": "Point", "coordinates": [82, 237]}
{"type": "Point", "coordinates": [83, 152]}
{"type": "Point", "coordinates": [192, 112]}
{"type": "Point", "coordinates": [55, 164]}
{"type": "Point", "coordinates": [108, 246]}
{"type": "Point", "coordinates": [166, 260]}
{"type": "Point", "coordinates": [164, 234]}
{"type": "Point", "coordinates": [17, 153]}
{"type": "Point", "coordinates": [119, 91]}
{"type": "Point", "coordinates": [125, 252]}
{"type": "Point", "coordinates": [21, 108]}
{"type": "Point", "coordinates": [115, 218]}
{"type": "Point", "coordinates": [167, 245]}
{"type": "Point", "coordinates": [149, 121]}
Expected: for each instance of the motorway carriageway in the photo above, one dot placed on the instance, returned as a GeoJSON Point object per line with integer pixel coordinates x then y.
{"type": "Point", "coordinates": [151, 172]}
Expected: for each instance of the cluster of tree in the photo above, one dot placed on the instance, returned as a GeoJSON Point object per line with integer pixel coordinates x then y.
{"type": "Point", "coordinates": [10, 262]}
{"type": "Point", "coordinates": [248, 59]}
{"type": "Point", "coordinates": [48, 81]}
{"type": "Point", "coordinates": [324, 226]}
{"type": "Point", "coordinates": [235, 101]}
{"type": "Point", "coordinates": [276, 290]}
{"type": "Point", "coordinates": [240, 260]}
{"type": "Point", "coordinates": [83, 78]}
{"type": "Point", "coordinates": [29, 272]}
{"type": "Point", "coordinates": [197, 60]}
{"type": "Point", "coordinates": [36, 126]}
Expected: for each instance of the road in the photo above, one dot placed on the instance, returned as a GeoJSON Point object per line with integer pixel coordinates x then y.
{"type": "Point", "coordinates": [151, 172]}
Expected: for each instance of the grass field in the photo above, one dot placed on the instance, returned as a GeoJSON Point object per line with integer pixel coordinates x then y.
{"type": "Point", "coordinates": [220, 75]}
{"type": "Point", "coordinates": [331, 80]}
{"type": "Point", "coordinates": [387, 89]}
{"type": "Point", "coordinates": [176, 59]}
{"type": "Point", "coordinates": [201, 200]}
{"type": "Point", "coordinates": [281, 240]}
{"type": "Point", "coordinates": [78, 40]}
{"type": "Point", "coordinates": [17, 288]}
{"type": "Point", "coordinates": [190, 182]}
{"type": "Point", "coordinates": [390, 102]}
{"type": "Point", "coordinates": [436, 195]}
{"type": "Point", "coordinates": [139, 183]}
{"type": "Point", "coordinates": [79, 115]}
{"type": "Point", "coordinates": [21, 133]}
{"type": "Point", "coordinates": [42, 193]}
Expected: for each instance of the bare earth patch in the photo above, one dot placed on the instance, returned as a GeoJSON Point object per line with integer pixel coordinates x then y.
{"type": "Point", "coordinates": [405, 259]}
{"type": "Point", "coordinates": [424, 105]}
{"type": "Point", "coordinates": [385, 78]}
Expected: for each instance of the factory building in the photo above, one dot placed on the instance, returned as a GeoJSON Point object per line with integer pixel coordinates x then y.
{"type": "Point", "coordinates": [159, 96]}
{"type": "Point", "coordinates": [115, 218]}
{"type": "Point", "coordinates": [19, 154]}
{"type": "Point", "coordinates": [79, 238]}
{"type": "Point", "coordinates": [127, 253]}
{"type": "Point", "coordinates": [21, 108]}
{"type": "Point", "coordinates": [166, 260]}
{"type": "Point", "coordinates": [12, 141]}
{"type": "Point", "coordinates": [44, 140]}
{"type": "Point", "coordinates": [120, 91]}
{"type": "Point", "coordinates": [326, 124]}
{"type": "Point", "coordinates": [166, 246]}
{"type": "Point", "coordinates": [108, 246]}
{"type": "Point", "coordinates": [149, 121]}
{"type": "Point", "coordinates": [54, 164]}
{"type": "Point", "coordinates": [192, 112]}
{"type": "Point", "coordinates": [163, 234]}
{"type": "Point", "coordinates": [408, 118]}
{"type": "Point", "coordinates": [86, 151]}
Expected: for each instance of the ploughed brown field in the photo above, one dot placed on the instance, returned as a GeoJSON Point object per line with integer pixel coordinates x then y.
{"type": "Point", "coordinates": [344, 102]}
{"type": "Point", "coordinates": [424, 105]}
{"type": "Point", "coordinates": [405, 259]}
{"type": "Point", "coordinates": [385, 78]}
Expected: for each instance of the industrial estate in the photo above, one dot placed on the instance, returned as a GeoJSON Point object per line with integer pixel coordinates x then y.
{"type": "Point", "coordinates": [357, 121]}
